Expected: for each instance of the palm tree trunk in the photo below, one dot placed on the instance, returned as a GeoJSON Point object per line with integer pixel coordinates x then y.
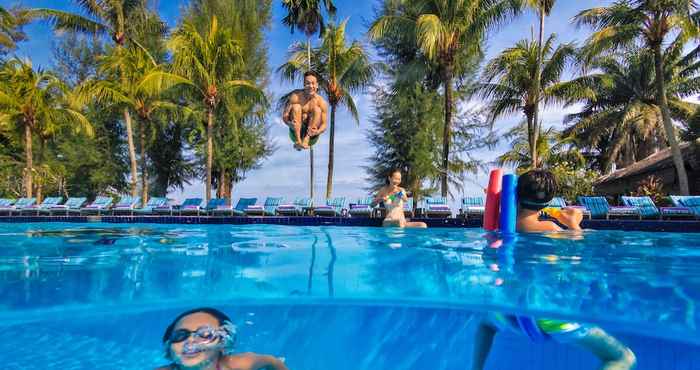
{"type": "Point", "coordinates": [311, 149]}
{"type": "Point", "coordinates": [28, 171]}
{"type": "Point", "coordinates": [531, 141]}
{"type": "Point", "coordinates": [210, 152]}
{"type": "Point", "coordinates": [538, 84]}
{"type": "Point", "coordinates": [40, 161]}
{"type": "Point", "coordinates": [144, 164]}
{"type": "Point", "coordinates": [446, 132]}
{"type": "Point", "coordinates": [668, 122]}
{"type": "Point", "coordinates": [331, 156]}
{"type": "Point", "coordinates": [132, 152]}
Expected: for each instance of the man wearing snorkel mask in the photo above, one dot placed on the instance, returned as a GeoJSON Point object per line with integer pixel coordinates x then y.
{"type": "Point", "coordinates": [203, 339]}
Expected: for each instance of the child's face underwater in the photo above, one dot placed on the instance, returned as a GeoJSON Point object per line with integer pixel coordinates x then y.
{"type": "Point", "coordinates": [193, 359]}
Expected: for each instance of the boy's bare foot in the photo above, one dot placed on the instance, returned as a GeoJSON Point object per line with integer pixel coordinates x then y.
{"type": "Point", "coordinates": [305, 143]}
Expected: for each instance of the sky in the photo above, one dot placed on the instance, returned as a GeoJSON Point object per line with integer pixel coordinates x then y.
{"type": "Point", "coordinates": [286, 172]}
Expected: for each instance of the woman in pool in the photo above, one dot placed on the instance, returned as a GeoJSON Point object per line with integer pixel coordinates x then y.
{"type": "Point", "coordinates": [203, 339]}
{"type": "Point", "coordinates": [393, 197]}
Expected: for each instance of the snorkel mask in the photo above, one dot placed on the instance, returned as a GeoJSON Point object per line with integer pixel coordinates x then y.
{"type": "Point", "coordinates": [206, 338]}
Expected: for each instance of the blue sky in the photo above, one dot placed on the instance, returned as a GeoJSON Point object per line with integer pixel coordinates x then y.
{"type": "Point", "coordinates": [285, 173]}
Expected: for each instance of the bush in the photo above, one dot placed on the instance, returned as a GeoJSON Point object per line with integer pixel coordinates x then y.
{"type": "Point", "coordinates": [573, 180]}
{"type": "Point", "coordinates": [652, 187]}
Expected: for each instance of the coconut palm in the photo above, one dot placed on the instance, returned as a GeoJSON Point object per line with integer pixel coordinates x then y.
{"type": "Point", "coordinates": [510, 82]}
{"type": "Point", "coordinates": [651, 22]}
{"type": "Point", "coordinates": [113, 18]}
{"type": "Point", "coordinates": [210, 61]}
{"type": "Point", "coordinates": [447, 31]}
{"type": "Point", "coordinates": [35, 102]}
{"type": "Point", "coordinates": [142, 90]}
{"type": "Point", "coordinates": [552, 148]}
{"type": "Point", "coordinates": [307, 16]}
{"type": "Point", "coordinates": [10, 21]}
{"type": "Point", "coordinates": [621, 119]}
{"type": "Point", "coordinates": [342, 69]}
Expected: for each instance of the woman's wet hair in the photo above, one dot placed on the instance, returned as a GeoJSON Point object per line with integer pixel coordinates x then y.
{"type": "Point", "coordinates": [389, 174]}
{"type": "Point", "coordinates": [536, 188]}
{"type": "Point", "coordinates": [311, 73]}
{"type": "Point", "coordinates": [218, 315]}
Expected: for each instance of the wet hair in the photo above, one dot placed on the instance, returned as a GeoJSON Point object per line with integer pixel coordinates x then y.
{"type": "Point", "coordinates": [391, 173]}
{"type": "Point", "coordinates": [220, 317]}
{"type": "Point", "coordinates": [536, 188]}
{"type": "Point", "coordinates": [311, 73]}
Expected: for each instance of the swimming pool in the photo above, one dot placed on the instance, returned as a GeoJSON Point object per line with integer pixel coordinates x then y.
{"type": "Point", "coordinates": [85, 296]}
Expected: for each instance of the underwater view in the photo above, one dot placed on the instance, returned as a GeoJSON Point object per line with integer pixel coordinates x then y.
{"type": "Point", "coordinates": [85, 296]}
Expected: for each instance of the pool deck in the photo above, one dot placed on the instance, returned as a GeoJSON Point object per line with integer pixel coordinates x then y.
{"type": "Point", "coordinates": [629, 225]}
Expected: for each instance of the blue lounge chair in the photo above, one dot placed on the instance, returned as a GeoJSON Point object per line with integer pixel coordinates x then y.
{"type": "Point", "coordinates": [298, 208]}
{"type": "Point", "coordinates": [362, 208]}
{"type": "Point", "coordinates": [650, 210]}
{"type": "Point", "coordinates": [6, 204]}
{"type": "Point", "coordinates": [437, 207]}
{"type": "Point", "coordinates": [191, 206]}
{"type": "Point", "coordinates": [151, 205]}
{"type": "Point", "coordinates": [693, 204]}
{"type": "Point", "coordinates": [218, 207]}
{"type": "Point", "coordinates": [472, 206]}
{"type": "Point", "coordinates": [126, 205]}
{"type": "Point", "coordinates": [408, 208]}
{"type": "Point", "coordinates": [599, 208]}
{"type": "Point", "coordinates": [678, 200]}
{"type": "Point", "coordinates": [268, 209]}
{"type": "Point", "coordinates": [45, 205]}
{"type": "Point", "coordinates": [17, 206]}
{"type": "Point", "coordinates": [98, 206]}
{"type": "Point", "coordinates": [559, 202]}
{"type": "Point", "coordinates": [333, 208]}
{"type": "Point", "coordinates": [71, 205]}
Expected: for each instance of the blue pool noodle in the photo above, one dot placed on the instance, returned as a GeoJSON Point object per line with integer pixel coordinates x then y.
{"type": "Point", "coordinates": [509, 205]}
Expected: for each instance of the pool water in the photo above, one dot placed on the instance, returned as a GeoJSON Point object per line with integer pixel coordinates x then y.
{"type": "Point", "coordinates": [99, 296]}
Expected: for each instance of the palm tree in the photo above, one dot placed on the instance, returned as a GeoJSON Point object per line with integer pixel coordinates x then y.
{"type": "Point", "coordinates": [511, 82]}
{"type": "Point", "coordinates": [447, 31]}
{"type": "Point", "coordinates": [342, 69]}
{"type": "Point", "coordinates": [35, 102]}
{"type": "Point", "coordinates": [142, 90]}
{"type": "Point", "coordinates": [621, 118]}
{"type": "Point", "coordinates": [113, 18]}
{"type": "Point", "coordinates": [209, 61]}
{"type": "Point", "coordinates": [10, 21]}
{"type": "Point", "coordinates": [552, 148]}
{"type": "Point", "coordinates": [307, 16]}
{"type": "Point", "coordinates": [543, 9]}
{"type": "Point", "coordinates": [650, 22]}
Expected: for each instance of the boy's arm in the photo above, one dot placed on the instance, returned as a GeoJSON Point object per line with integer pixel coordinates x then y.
{"type": "Point", "coordinates": [571, 218]}
{"type": "Point", "coordinates": [378, 198]}
{"type": "Point", "coordinates": [268, 362]}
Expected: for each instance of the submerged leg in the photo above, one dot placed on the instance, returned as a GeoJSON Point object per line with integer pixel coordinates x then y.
{"type": "Point", "coordinates": [613, 353]}
{"type": "Point", "coordinates": [483, 340]}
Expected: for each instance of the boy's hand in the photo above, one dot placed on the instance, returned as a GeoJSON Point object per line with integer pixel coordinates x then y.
{"type": "Point", "coordinates": [571, 218]}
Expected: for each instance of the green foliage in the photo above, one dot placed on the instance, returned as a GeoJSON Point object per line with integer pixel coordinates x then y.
{"type": "Point", "coordinates": [653, 187]}
{"type": "Point", "coordinates": [573, 180]}
{"type": "Point", "coordinates": [11, 22]}
{"type": "Point", "coordinates": [552, 148]}
{"type": "Point", "coordinates": [307, 15]}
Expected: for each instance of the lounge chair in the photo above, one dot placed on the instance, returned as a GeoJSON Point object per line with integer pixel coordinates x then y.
{"type": "Point", "coordinates": [408, 208]}
{"type": "Point", "coordinates": [649, 210]}
{"type": "Point", "coordinates": [126, 205]}
{"type": "Point", "coordinates": [35, 209]}
{"type": "Point", "coordinates": [437, 207]}
{"type": "Point", "coordinates": [693, 204]}
{"type": "Point", "coordinates": [218, 207]}
{"type": "Point", "coordinates": [678, 200]}
{"type": "Point", "coordinates": [472, 206]}
{"type": "Point", "coordinates": [362, 208]}
{"type": "Point", "coordinates": [268, 209]}
{"type": "Point", "coordinates": [333, 208]}
{"type": "Point", "coordinates": [71, 205]}
{"type": "Point", "coordinates": [6, 204]}
{"type": "Point", "coordinates": [20, 204]}
{"type": "Point", "coordinates": [297, 208]}
{"type": "Point", "coordinates": [151, 205]}
{"type": "Point", "coordinates": [98, 206]}
{"type": "Point", "coordinates": [191, 206]}
{"type": "Point", "coordinates": [599, 208]}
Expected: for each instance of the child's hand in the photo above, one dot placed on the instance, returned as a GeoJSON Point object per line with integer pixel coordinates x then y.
{"type": "Point", "coordinates": [571, 218]}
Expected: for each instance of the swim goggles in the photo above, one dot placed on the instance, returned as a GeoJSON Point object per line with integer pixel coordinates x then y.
{"type": "Point", "coordinates": [202, 334]}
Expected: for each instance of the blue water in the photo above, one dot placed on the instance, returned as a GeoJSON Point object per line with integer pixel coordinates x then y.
{"type": "Point", "coordinates": [98, 296]}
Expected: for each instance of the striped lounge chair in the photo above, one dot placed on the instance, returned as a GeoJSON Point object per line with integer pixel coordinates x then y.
{"type": "Point", "coordinates": [333, 208]}
{"type": "Point", "coordinates": [437, 207]}
{"type": "Point", "coordinates": [472, 206]}
{"type": "Point", "coordinates": [17, 206]}
{"type": "Point", "coordinates": [361, 208]}
{"type": "Point", "coordinates": [650, 210]}
{"type": "Point", "coordinates": [297, 208]}
{"type": "Point", "coordinates": [678, 200]}
{"type": "Point", "coordinates": [692, 203]}
{"type": "Point", "coordinates": [126, 205]}
{"type": "Point", "coordinates": [6, 204]}
{"type": "Point", "coordinates": [269, 208]}
{"type": "Point", "coordinates": [35, 209]}
{"type": "Point", "coordinates": [98, 206]}
{"type": "Point", "coordinates": [559, 202]}
{"type": "Point", "coordinates": [218, 207]}
{"type": "Point", "coordinates": [191, 206]}
{"type": "Point", "coordinates": [71, 205]}
{"type": "Point", "coordinates": [599, 208]}
{"type": "Point", "coordinates": [151, 205]}
{"type": "Point", "coordinates": [408, 208]}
